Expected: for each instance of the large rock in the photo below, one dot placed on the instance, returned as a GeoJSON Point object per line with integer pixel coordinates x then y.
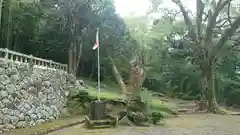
{"type": "Point", "coordinates": [17, 113]}
{"type": "Point", "coordinates": [10, 97]}
{"type": "Point", "coordinates": [6, 101]}
{"type": "Point", "coordinates": [22, 67]}
{"type": "Point", "coordinates": [2, 87]}
{"type": "Point", "coordinates": [3, 63]}
{"type": "Point", "coordinates": [21, 117]}
{"type": "Point", "coordinates": [21, 124]}
{"type": "Point", "coordinates": [38, 84]}
{"type": "Point", "coordinates": [10, 112]}
{"type": "Point", "coordinates": [46, 84]}
{"type": "Point", "coordinates": [32, 90]}
{"type": "Point", "coordinates": [27, 106]}
{"type": "Point", "coordinates": [1, 127]}
{"type": "Point", "coordinates": [14, 78]}
{"type": "Point", "coordinates": [14, 120]}
{"type": "Point", "coordinates": [11, 71]}
{"type": "Point", "coordinates": [71, 79]}
{"type": "Point", "coordinates": [33, 117]}
{"type": "Point", "coordinates": [6, 119]}
{"type": "Point", "coordinates": [10, 88]}
{"type": "Point", "coordinates": [3, 94]}
{"type": "Point", "coordinates": [4, 79]}
{"type": "Point", "coordinates": [27, 118]}
{"type": "Point", "coordinates": [45, 114]}
{"type": "Point", "coordinates": [40, 121]}
{"type": "Point", "coordinates": [9, 126]}
{"type": "Point", "coordinates": [32, 123]}
{"type": "Point", "coordinates": [2, 71]}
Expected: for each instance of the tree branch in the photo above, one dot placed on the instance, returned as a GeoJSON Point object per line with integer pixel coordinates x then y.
{"type": "Point", "coordinates": [228, 33]}
{"type": "Point", "coordinates": [187, 19]}
{"type": "Point", "coordinates": [228, 13]}
{"type": "Point", "coordinates": [200, 10]}
{"type": "Point", "coordinates": [225, 18]}
{"type": "Point", "coordinates": [212, 19]}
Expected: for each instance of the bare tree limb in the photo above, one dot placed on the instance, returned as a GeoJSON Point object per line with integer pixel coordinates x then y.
{"type": "Point", "coordinates": [228, 14]}
{"type": "Point", "coordinates": [118, 77]}
{"type": "Point", "coordinates": [83, 5]}
{"type": "Point", "coordinates": [200, 10]}
{"type": "Point", "coordinates": [223, 24]}
{"type": "Point", "coordinates": [187, 19]}
{"type": "Point", "coordinates": [212, 18]}
{"type": "Point", "coordinates": [225, 18]}
{"type": "Point", "coordinates": [228, 33]}
{"type": "Point", "coordinates": [205, 17]}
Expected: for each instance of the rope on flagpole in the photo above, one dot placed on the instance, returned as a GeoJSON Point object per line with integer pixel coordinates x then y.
{"type": "Point", "coordinates": [98, 61]}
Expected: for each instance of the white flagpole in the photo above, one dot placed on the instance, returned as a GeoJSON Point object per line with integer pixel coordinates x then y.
{"type": "Point", "coordinates": [98, 58]}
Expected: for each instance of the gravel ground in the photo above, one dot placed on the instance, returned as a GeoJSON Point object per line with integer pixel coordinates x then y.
{"type": "Point", "coordinates": [198, 124]}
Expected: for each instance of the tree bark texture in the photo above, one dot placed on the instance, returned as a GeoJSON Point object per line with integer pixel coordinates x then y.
{"type": "Point", "coordinates": [1, 5]}
{"type": "Point", "coordinates": [6, 22]}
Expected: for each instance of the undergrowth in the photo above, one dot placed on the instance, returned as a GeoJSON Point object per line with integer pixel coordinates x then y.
{"type": "Point", "coordinates": [155, 105]}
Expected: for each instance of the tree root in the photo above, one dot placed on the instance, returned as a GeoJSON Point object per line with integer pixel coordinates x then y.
{"type": "Point", "coordinates": [128, 121]}
{"type": "Point", "coordinates": [221, 111]}
{"type": "Point", "coordinates": [218, 110]}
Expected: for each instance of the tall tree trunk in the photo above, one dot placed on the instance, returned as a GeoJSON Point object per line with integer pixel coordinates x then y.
{"type": "Point", "coordinates": [1, 31]}
{"type": "Point", "coordinates": [203, 85]}
{"type": "Point", "coordinates": [79, 57]}
{"type": "Point", "coordinates": [9, 30]}
{"type": "Point", "coordinates": [211, 92]}
{"type": "Point", "coordinates": [93, 67]}
{"type": "Point", "coordinates": [72, 49]}
{"type": "Point", "coordinates": [6, 24]}
{"type": "Point", "coordinates": [74, 57]}
{"type": "Point", "coordinates": [70, 58]}
{"type": "Point", "coordinates": [210, 89]}
{"type": "Point", "coordinates": [1, 5]}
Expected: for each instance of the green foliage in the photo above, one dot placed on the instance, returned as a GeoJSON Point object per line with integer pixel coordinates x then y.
{"type": "Point", "coordinates": [83, 98]}
{"type": "Point", "coordinates": [156, 117]}
{"type": "Point", "coordinates": [42, 28]}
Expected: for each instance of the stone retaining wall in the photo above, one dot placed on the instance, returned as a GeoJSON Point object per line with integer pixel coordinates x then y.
{"type": "Point", "coordinates": [32, 97]}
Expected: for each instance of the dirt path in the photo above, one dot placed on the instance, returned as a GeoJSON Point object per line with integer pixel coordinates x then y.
{"type": "Point", "coordinates": [199, 124]}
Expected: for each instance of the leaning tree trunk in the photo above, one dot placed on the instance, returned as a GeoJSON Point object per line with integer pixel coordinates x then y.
{"type": "Point", "coordinates": [137, 76]}
{"type": "Point", "coordinates": [119, 78]}
{"type": "Point", "coordinates": [136, 112]}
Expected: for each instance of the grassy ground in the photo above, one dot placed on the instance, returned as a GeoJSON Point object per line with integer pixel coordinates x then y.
{"type": "Point", "coordinates": [164, 107]}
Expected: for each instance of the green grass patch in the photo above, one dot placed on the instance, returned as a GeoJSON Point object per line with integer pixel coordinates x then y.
{"type": "Point", "coordinates": [165, 108]}
{"type": "Point", "coordinates": [107, 95]}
